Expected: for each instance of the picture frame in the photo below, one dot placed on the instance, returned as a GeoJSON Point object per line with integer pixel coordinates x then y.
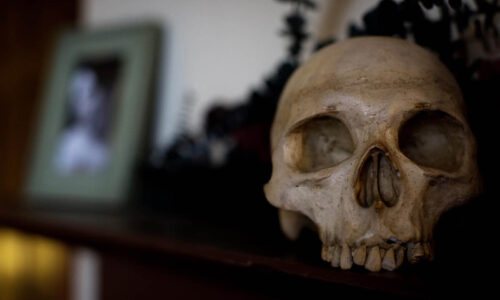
{"type": "Point", "coordinates": [93, 123]}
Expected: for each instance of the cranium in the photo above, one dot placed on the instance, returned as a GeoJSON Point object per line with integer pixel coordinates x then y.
{"type": "Point", "coordinates": [370, 142]}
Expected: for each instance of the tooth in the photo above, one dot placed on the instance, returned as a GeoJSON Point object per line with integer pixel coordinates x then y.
{"type": "Point", "coordinates": [400, 256]}
{"type": "Point", "coordinates": [389, 261]}
{"type": "Point", "coordinates": [373, 261]}
{"type": "Point", "coordinates": [359, 255]}
{"type": "Point", "coordinates": [336, 257]}
{"type": "Point", "coordinates": [415, 252]}
{"type": "Point", "coordinates": [327, 253]}
{"type": "Point", "coordinates": [345, 258]}
{"type": "Point", "coordinates": [382, 252]}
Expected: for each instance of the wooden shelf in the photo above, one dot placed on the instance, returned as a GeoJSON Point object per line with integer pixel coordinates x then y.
{"type": "Point", "coordinates": [260, 251]}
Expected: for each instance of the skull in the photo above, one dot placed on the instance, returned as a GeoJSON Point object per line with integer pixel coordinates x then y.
{"type": "Point", "coordinates": [370, 144]}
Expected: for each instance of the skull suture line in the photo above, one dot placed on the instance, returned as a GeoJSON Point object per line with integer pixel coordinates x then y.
{"type": "Point", "coordinates": [370, 142]}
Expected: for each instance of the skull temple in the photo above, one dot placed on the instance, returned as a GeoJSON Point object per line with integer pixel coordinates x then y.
{"type": "Point", "coordinates": [370, 144]}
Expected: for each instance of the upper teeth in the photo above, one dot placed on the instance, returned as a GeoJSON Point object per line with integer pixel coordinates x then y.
{"type": "Point", "coordinates": [376, 257]}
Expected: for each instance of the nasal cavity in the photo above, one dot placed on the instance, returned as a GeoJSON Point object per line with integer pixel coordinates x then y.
{"type": "Point", "coordinates": [378, 181]}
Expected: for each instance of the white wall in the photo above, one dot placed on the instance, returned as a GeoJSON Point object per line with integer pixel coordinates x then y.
{"type": "Point", "coordinates": [216, 49]}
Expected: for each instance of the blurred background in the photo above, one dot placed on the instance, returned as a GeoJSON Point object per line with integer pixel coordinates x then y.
{"type": "Point", "coordinates": [220, 71]}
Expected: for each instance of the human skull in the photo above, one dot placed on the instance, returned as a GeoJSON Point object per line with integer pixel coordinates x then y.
{"type": "Point", "coordinates": [370, 142]}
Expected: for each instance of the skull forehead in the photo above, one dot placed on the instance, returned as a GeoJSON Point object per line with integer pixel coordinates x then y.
{"type": "Point", "coordinates": [376, 62]}
{"type": "Point", "coordinates": [371, 72]}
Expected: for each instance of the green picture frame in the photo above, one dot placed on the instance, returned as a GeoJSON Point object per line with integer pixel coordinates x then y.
{"type": "Point", "coordinates": [136, 47]}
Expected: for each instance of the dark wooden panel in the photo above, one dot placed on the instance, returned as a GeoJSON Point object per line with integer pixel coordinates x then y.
{"type": "Point", "coordinates": [171, 277]}
{"type": "Point", "coordinates": [28, 29]}
{"type": "Point", "coordinates": [145, 253]}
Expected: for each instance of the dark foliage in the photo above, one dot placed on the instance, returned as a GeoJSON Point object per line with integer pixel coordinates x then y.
{"type": "Point", "coordinates": [187, 163]}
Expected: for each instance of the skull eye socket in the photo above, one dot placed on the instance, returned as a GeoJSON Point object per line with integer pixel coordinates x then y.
{"type": "Point", "coordinates": [319, 143]}
{"type": "Point", "coordinates": [433, 139]}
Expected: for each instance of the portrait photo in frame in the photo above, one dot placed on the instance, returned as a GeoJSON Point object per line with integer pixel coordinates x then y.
{"type": "Point", "coordinates": [93, 121]}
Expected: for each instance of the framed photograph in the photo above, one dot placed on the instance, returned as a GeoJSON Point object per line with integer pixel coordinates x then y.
{"type": "Point", "coordinates": [93, 121]}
